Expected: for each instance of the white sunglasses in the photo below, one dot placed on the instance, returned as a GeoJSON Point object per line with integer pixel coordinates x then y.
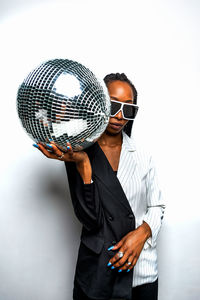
{"type": "Point", "coordinates": [129, 110]}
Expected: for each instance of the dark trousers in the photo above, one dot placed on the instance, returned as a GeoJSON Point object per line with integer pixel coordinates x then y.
{"type": "Point", "coordinates": [148, 291]}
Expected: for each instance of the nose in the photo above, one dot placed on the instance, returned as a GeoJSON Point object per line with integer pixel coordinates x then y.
{"type": "Point", "coordinates": [119, 115]}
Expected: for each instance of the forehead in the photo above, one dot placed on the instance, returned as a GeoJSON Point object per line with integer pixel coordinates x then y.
{"type": "Point", "coordinates": [120, 89]}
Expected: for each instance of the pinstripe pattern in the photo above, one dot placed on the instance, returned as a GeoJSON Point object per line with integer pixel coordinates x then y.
{"type": "Point", "coordinates": [137, 175]}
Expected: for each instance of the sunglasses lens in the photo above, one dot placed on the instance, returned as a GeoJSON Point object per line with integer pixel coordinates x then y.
{"type": "Point", "coordinates": [130, 111]}
{"type": "Point", "coordinates": [115, 107]}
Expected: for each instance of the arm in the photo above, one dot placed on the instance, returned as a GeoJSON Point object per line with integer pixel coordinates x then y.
{"type": "Point", "coordinates": [146, 234]}
{"type": "Point", "coordinates": [155, 205]}
{"type": "Point", "coordinates": [85, 197]}
{"type": "Point", "coordinates": [85, 170]}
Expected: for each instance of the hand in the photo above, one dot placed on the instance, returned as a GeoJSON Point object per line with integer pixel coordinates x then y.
{"type": "Point", "coordinates": [131, 246]}
{"type": "Point", "coordinates": [52, 151]}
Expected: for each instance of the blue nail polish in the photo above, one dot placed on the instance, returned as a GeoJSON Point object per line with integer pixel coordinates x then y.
{"type": "Point", "coordinates": [35, 145]}
{"type": "Point", "coordinates": [109, 264]}
{"type": "Point", "coordinates": [112, 267]}
{"type": "Point", "coordinates": [120, 270]}
{"type": "Point", "coordinates": [50, 140]}
{"type": "Point", "coordinates": [111, 248]}
{"type": "Point", "coordinates": [128, 270]}
{"type": "Point", "coordinates": [49, 146]}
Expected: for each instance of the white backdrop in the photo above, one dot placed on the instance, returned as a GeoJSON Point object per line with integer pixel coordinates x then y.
{"type": "Point", "coordinates": [156, 43]}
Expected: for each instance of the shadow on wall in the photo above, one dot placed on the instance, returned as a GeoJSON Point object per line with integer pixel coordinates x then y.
{"type": "Point", "coordinates": [52, 191]}
{"type": "Point", "coordinates": [39, 232]}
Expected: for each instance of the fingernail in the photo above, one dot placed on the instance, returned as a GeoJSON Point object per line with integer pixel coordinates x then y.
{"type": "Point", "coordinates": [112, 267]}
{"type": "Point", "coordinates": [49, 146]}
{"type": "Point", "coordinates": [68, 147]}
{"type": "Point", "coordinates": [35, 145]}
{"type": "Point", "coordinates": [128, 270]}
{"type": "Point", "coordinates": [50, 140]}
{"type": "Point", "coordinates": [120, 270]}
{"type": "Point", "coordinates": [110, 248]}
{"type": "Point", "coordinates": [109, 264]}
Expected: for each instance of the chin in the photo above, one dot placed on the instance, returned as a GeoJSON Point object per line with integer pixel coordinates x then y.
{"type": "Point", "coordinates": [113, 132]}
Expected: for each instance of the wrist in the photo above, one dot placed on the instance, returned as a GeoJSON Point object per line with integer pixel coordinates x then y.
{"type": "Point", "coordinates": [145, 230]}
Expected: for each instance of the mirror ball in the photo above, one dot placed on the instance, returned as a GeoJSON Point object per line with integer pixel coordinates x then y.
{"type": "Point", "coordinates": [62, 100]}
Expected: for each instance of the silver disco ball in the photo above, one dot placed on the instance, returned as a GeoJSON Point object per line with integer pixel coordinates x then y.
{"type": "Point", "coordinates": [61, 100]}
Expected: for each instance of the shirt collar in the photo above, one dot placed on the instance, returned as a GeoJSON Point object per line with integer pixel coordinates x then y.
{"type": "Point", "coordinates": [128, 142]}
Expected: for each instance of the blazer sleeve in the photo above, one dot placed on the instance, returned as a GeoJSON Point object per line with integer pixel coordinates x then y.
{"type": "Point", "coordinates": [155, 204]}
{"type": "Point", "coordinates": [85, 199]}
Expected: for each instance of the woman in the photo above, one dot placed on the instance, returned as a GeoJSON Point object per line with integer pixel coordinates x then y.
{"type": "Point", "coordinates": [116, 197]}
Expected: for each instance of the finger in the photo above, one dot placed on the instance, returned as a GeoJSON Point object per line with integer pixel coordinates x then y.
{"type": "Point", "coordinates": [134, 261]}
{"type": "Point", "coordinates": [36, 146]}
{"type": "Point", "coordinates": [54, 149]}
{"type": "Point", "coordinates": [116, 260]}
{"type": "Point", "coordinates": [50, 146]}
{"type": "Point", "coordinates": [44, 150]}
{"type": "Point", "coordinates": [116, 257]}
{"type": "Point", "coordinates": [116, 246]}
{"type": "Point", "coordinates": [69, 149]}
{"type": "Point", "coordinates": [119, 262]}
{"type": "Point", "coordinates": [128, 265]}
{"type": "Point", "coordinates": [46, 146]}
{"type": "Point", "coordinates": [52, 141]}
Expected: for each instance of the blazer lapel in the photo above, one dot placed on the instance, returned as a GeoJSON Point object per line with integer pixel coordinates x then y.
{"type": "Point", "coordinates": [127, 162]}
{"type": "Point", "coordinates": [104, 172]}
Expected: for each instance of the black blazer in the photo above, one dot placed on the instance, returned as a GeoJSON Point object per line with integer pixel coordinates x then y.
{"type": "Point", "coordinates": [106, 215]}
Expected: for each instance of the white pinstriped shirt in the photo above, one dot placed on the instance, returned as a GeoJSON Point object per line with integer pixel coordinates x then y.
{"type": "Point", "coordinates": [137, 176]}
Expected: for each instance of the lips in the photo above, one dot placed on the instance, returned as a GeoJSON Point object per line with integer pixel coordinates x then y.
{"type": "Point", "coordinates": [115, 125]}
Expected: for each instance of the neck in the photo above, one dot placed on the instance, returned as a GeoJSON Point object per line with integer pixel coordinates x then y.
{"type": "Point", "coordinates": [110, 140]}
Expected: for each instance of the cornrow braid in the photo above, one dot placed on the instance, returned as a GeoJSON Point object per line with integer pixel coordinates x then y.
{"type": "Point", "coordinates": [122, 77]}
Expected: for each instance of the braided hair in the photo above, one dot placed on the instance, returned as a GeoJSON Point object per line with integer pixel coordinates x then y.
{"type": "Point", "coordinates": [122, 77]}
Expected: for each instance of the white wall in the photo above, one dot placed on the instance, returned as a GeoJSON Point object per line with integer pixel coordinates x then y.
{"type": "Point", "coordinates": [156, 43]}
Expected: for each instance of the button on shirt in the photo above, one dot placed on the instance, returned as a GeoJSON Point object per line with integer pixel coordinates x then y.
{"type": "Point", "coordinates": [137, 176]}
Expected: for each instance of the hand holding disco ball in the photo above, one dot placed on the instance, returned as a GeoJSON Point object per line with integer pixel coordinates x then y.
{"type": "Point", "coordinates": [62, 101]}
{"type": "Point", "coordinates": [52, 151]}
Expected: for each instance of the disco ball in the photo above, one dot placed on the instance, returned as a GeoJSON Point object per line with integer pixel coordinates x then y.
{"type": "Point", "coordinates": [62, 100]}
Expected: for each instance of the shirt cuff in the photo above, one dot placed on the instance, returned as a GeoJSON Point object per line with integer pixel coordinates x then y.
{"type": "Point", "coordinates": [153, 219]}
{"type": "Point", "coordinates": [148, 243]}
{"type": "Point", "coordinates": [89, 183]}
